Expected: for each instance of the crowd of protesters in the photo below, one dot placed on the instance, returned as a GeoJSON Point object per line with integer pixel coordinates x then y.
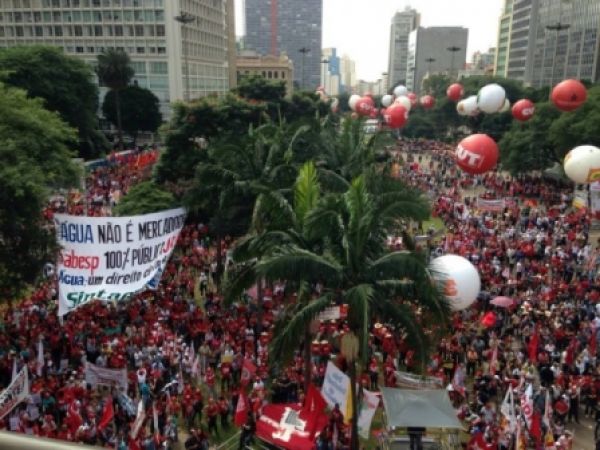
{"type": "Point", "coordinates": [185, 351]}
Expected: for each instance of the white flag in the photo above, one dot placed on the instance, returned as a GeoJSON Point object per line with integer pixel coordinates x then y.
{"type": "Point", "coordinates": [546, 418]}
{"type": "Point", "coordinates": [139, 419]}
{"type": "Point", "coordinates": [527, 405]}
{"type": "Point", "coordinates": [155, 419]}
{"type": "Point", "coordinates": [508, 409]}
{"type": "Point", "coordinates": [196, 366]}
{"type": "Point", "coordinates": [40, 358]}
{"type": "Point", "coordinates": [368, 408]}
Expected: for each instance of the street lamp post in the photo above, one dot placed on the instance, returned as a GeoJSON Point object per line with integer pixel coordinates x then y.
{"type": "Point", "coordinates": [324, 63]}
{"type": "Point", "coordinates": [558, 27]}
{"type": "Point", "coordinates": [184, 19]}
{"type": "Point", "coordinates": [452, 49]}
{"type": "Point", "coordinates": [304, 51]}
{"type": "Point", "coordinates": [429, 61]}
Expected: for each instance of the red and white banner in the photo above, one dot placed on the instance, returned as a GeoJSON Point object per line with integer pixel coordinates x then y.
{"type": "Point", "coordinates": [96, 375]}
{"type": "Point", "coordinates": [527, 405]}
{"type": "Point", "coordinates": [289, 426]}
{"type": "Point", "coordinates": [16, 392]}
{"type": "Point", "coordinates": [496, 205]}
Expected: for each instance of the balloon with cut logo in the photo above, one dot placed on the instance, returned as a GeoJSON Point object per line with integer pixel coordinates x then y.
{"type": "Point", "coordinates": [568, 95]}
{"type": "Point", "coordinates": [400, 90]}
{"type": "Point", "coordinates": [414, 100]}
{"type": "Point", "coordinates": [491, 98]}
{"type": "Point", "coordinates": [395, 116]}
{"type": "Point", "coordinates": [354, 98]}
{"type": "Point", "coordinates": [582, 164]}
{"type": "Point", "coordinates": [459, 280]}
{"type": "Point", "coordinates": [387, 100]}
{"type": "Point", "coordinates": [455, 92]}
{"type": "Point", "coordinates": [523, 110]}
{"type": "Point", "coordinates": [477, 154]}
{"type": "Point", "coordinates": [364, 106]}
{"type": "Point", "coordinates": [427, 101]}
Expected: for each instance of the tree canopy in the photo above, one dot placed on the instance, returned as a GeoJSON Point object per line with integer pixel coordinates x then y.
{"type": "Point", "coordinates": [65, 83]}
{"type": "Point", "coordinates": [34, 160]}
{"type": "Point", "coordinates": [140, 110]}
{"type": "Point", "coordinates": [145, 198]}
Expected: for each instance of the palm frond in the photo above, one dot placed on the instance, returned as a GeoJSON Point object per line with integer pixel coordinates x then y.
{"type": "Point", "coordinates": [306, 191]}
{"type": "Point", "coordinates": [291, 328]}
{"type": "Point", "coordinates": [237, 280]}
{"type": "Point", "coordinates": [296, 264]}
{"type": "Point", "coordinates": [359, 298]}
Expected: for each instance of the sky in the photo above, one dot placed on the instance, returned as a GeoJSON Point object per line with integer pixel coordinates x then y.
{"type": "Point", "coordinates": [361, 28]}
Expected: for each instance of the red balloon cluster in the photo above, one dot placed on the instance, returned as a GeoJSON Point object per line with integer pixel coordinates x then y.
{"type": "Point", "coordinates": [523, 110]}
{"type": "Point", "coordinates": [427, 101]}
{"type": "Point", "coordinates": [568, 95]}
{"type": "Point", "coordinates": [477, 154]}
{"type": "Point", "coordinates": [365, 106]}
{"type": "Point", "coordinates": [395, 116]}
{"type": "Point", "coordinates": [489, 320]}
{"type": "Point", "coordinates": [455, 92]}
{"type": "Point", "coordinates": [413, 98]}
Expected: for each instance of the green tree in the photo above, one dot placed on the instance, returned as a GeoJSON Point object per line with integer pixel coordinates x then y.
{"type": "Point", "coordinates": [355, 267]}
{"type": "Point", "coordinates": [436, 85]}
{"type": "Point", "coordinates": [65, 83]}
{"type": "Point", "coordinates": [144, 198]}
{"type": "Point", "coordinates": [35, 160]}
{"type": "Point", "coordinates": [255, 87]}
{"type": "Point", "coordinates": [115, 72]}
{"type": "Point", "coordinates": [140, 110]}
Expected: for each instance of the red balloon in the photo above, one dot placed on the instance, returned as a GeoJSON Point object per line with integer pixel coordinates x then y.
{"type": "Point", "coordinates": [489, 320]}
{"type": "Point", "coordinates": [427, 101]}
{"type": "Point", "coordinates": [523, 110]}
{"type": "Point", "coordinates": [477, 154]}
{"type": "Point", "coordinates": [396, 116]}
{"type": "Point", "coordinates": [455, 92]}
{"type": "Point", "coordinates": [568, 95]}
{"type": "Point", "coordinates": [364, 106]}
{"type": "Point", "coordinates": [413, 98]}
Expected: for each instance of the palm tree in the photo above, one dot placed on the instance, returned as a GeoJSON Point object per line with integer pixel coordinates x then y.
{"type": "Point", "coordinates": [115, 72]}
{"type": "Point", "coordinates": [288, 226]}
{"type": "Point", "coordinates": [356, 268]}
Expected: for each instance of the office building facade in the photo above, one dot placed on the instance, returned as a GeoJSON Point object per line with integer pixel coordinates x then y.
{"type": "Point", "coordinates": [348, 74]}
{"type": "Point", "coordinates": [402, 24]}
{"type": "Point", "coordinates": [330, 71]}
{"type": "Point", "coordinates": [274, 68]}
{"type": "Point", "coordinates": [429, 52]}
{"type": "Point", "coordinates": [503, 43]}
{"type": "Point", "coordinates": [158, 45]}
{"type": "Point", "coordinates": [290, 26]}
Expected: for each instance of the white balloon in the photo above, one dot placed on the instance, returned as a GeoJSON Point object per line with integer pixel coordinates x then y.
{"type": "Point", "coordinates": [400, 90]}
{"type": "Point", "coordinates": [506, 106]}
{"type": "Point", "coordinates": [403, 100]}
{"type": "Point", "coordinates": [468, 106]}
{"type": "Point", "coordinates": [352, 101]}
{"type": "Point", "coordinates": [582, 164]}
{"type": "Point", "coordinates": [491, 98]}
{"type": "Point", "coordinates": [459, 278]}
{"type": "Point", "coordinates": [386, 100]}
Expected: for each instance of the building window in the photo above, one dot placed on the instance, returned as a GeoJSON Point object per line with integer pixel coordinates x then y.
{"type": "Point", "coordinates": [160, 30]}
{"type": "Point", "coordinates": [141, 50]}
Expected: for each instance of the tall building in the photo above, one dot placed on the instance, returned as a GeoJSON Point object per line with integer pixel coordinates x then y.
{"type": "Point", "coordinates": [330, 71]}
{"type": "Point", "coordinates": [348, 74]}
{"type": "Point", "coordinates": [276, 68]}
{"type": "Point", "coordinates": [429, 52]}
{"type": "Point", "coordinates": [402, 24]}
{"type": "Point", "coordinates": [503, 45]}
{"type": "Point", "coordinates": [550, 40]}
{"type": "Point", "coordinates": [160, 47]}
{"type": "Point", "coordinates": [569, 50]}
{"type": "Point", "coordinates": [291, 26]}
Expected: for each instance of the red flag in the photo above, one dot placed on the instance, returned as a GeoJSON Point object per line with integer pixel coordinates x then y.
{"type": "Point", "coordinates": [536, 427]}
{"type": "Point", "coordinates": [107, 415]}
{"type": "Point", "coordinates": [73, 419]}
{"type": "Point", "coordinates": [133, 444]}
{"type": "Point", "coordinates": [314, 401]}
{"type": "Point", "coordinates": [570, 356]}
{"type": "Point", "coordinates": [248, 372]}
{"type": "Point", "coordinates": [241, 410]}
{"type": "Point", "coordinates": [534, 343]}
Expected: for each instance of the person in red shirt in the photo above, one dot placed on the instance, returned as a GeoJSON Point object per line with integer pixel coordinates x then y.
{"type": "Point", "coordinates": [212, 411]}
{"type": "Point", "coordinates": [224, 412]}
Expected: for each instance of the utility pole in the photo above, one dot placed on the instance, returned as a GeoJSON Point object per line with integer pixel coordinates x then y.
{"type": "Point", "coordinates": [452, 49]}
{"type": "Point", "coordinates": [185, 19]}
{"type": "Point", "coordinates": [304, 51]}
{"type": "Point", "coordinates": [558, 27]}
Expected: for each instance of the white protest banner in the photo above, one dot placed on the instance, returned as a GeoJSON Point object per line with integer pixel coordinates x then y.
{"type": "Point", "coordinates": [368, 408]}
{"type": "Point", "coordinates": [490, 205]}
{"type": "Point", "coordinates": [335, 387]}
{"type": "Point", "coordinates": [16, 392]}
{"type": "Point", "coordinates": [96, 375]}
{"type": "Point", "coordinates": [112, 258]}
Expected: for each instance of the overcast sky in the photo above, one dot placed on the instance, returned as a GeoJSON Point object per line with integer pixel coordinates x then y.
{"type": "Point", "coordinates": [361, 28]}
